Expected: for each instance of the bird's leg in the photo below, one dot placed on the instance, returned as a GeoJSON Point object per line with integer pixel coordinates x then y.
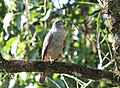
{"type": "Point", "coordinates": [60, 58]}
{"type": "Point", "coordinates": [50, 59]}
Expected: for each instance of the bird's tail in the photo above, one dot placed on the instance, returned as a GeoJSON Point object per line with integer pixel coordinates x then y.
{"type": "Point", "coordinates": [42, 78]}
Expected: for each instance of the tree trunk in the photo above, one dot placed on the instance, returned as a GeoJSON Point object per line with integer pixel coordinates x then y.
{"type": "Point", "coordinates": [114, 19]}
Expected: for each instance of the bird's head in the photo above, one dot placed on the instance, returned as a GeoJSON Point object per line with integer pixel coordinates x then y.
{"type": "Point", "coordinates": [58, 24]}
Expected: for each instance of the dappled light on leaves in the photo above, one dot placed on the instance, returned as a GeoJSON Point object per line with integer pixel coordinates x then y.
{"type": "Point", "coordinates": [24, 24]}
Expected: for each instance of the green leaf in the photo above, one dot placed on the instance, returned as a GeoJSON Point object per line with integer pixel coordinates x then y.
{"type": "Point", "coordinates": [21, 48]}
{"type": "Point", "coordinates": [33, 54]}
{"type": "Point", "coordinates": [18, 21]}
{"type": "Point", "coordinates": [8, 44]}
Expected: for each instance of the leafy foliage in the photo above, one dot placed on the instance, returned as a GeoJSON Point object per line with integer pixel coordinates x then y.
{"type": "Point", "coordinates": [24, 24]}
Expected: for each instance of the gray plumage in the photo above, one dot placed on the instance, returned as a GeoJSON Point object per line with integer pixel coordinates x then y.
{"type": "Point", "coordinates": [53, 44]}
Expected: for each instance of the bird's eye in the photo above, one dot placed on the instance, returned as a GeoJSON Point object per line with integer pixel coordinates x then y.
{"type": "Point", "coordinates": [58, 22]}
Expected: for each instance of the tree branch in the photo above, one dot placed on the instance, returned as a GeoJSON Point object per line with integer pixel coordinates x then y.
{"type": "Point", "coordinates": [14, 66]}
{"type": "Point", "coordinates": [114, 20]}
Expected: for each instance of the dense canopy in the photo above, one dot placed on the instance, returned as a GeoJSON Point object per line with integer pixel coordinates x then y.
{"type": "Point", "coordinates": [24, 24]}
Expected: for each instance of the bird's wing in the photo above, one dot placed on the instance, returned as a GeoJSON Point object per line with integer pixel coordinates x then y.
{"type": "Point", "coordinates": [46, 42]}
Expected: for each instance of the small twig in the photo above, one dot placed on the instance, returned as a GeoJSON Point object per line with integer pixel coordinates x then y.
{"type": "Point", "coordinates": [108, 64]}
{"type": "Point", "coordinates": [62, 77]}
{"type": "Point", "coordinates": [105, 56]}
{"type": "Point", "coordinates": [98, 42]}
{"type": "Point", "coordinates": [109, 50]}
{"type": "Point", "coordinates": [54, 82]}
{"type": "Point", "coordinates": [90, 81]}
{"type": "Point", "coordinates": [81, 83]}
{"type": "Point", "coordinates": [103, 39]}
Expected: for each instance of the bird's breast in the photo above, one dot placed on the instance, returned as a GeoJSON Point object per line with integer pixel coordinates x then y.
{"type": "Point", "coordinates": [56, 44]}
{"type": "Point", "coordinates": [59, 36]}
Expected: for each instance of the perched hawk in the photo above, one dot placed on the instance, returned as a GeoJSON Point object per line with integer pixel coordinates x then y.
{"type": "Point", "coordinates": [53, 45]}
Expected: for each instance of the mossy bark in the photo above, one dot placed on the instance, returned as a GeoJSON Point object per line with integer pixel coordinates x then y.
{"type": "Point", "coordinates": [14, 66]}
{"type": "Point", "coordinates": [113, 8]}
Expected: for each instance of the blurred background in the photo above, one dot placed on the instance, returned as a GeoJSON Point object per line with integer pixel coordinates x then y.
{"type": "Point", "coordinates": [24, 24]}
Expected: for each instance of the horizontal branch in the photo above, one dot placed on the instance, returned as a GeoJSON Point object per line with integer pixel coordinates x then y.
{"type": "Point", "coordinates": [14, 66]}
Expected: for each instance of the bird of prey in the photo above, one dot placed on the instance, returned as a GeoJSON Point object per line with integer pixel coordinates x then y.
{"type": "Point", "coordinates": [53, 45]}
